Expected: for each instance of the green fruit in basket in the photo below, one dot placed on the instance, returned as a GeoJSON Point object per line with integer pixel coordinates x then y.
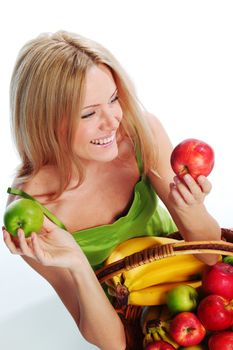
{"type": "Point", "coordinates": [182, 298]}
{"type": "Point", "coordinates": [228, 260]}
{"type": "Point", "coordinates": [23, 213]}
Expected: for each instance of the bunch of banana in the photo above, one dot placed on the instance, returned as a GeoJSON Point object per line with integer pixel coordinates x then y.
{"type": "Point", "coordinates": [148, 283]}
{"type": "Point", "coordinates": [155, 321]}
{"type": "Point", "coordinates": [152, 313]}
{"type": "Point", "coordinates": [158, 330]}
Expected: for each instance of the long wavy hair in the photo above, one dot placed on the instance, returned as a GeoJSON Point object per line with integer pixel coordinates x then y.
{"type": "Point", "coordinates": [46, 95]}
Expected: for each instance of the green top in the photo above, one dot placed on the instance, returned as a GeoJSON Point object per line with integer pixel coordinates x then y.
{"type": "Point", "coordinates": [144, 218]}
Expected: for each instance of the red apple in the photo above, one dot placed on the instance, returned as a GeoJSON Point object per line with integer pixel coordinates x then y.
{"type": "Point", "coordinates": [194, 157]}
{"type": "Point", "coordinates": [218, 279]}
{"type": "Point", "coordinates": [186, 329]}
{"type": "Point", "coordinates": [159, 345]}
{"type": "Point", "coordinates": [215, 312]}
{"type": "Point", "coordinates": [222, 340]}
{"type": "Point", "coordinates": [194, 347]}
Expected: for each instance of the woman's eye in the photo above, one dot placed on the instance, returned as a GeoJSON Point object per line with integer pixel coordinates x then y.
{"type": "Point", "coordinates": [115, 99]}
{"type": "Point", "coordinates": [87, 115]}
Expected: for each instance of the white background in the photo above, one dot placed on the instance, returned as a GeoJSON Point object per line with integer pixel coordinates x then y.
{"type": "Point", "coordinates": [179, 55]}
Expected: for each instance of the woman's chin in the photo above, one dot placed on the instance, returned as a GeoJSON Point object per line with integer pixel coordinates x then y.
{"type": "Point", "coordinates": [103, 156]}
{"type": "Point", "coordinates": [108, 157]}
{"type": "Point", "coordinates": [106, 153]}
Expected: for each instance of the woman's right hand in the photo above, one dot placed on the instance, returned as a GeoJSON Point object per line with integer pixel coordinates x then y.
{"type": "Point", "coordinates": [52, 247]}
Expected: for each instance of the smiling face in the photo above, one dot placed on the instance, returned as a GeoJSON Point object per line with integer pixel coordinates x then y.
{"type": "Point", "coordinates": [101, 114]}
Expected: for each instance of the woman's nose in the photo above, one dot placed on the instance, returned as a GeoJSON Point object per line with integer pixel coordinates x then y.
{"type": "Point", "coordinates": [108, 119]}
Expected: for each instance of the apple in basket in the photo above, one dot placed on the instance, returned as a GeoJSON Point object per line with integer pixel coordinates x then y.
{"type": "Point", "coordinates": [215, 312]}
{"type": "Point", "coordinates": [194, 347]}
{"type": "Point", "coordinates": [186, 329]}
{"type": "Point", "coordinates": [193, 157]}
{"type": "Point", "coordinates": [159, 345]}
{"type": "Point", "coordinates": [218, 279]}
{"type": "Point", "coordinates": [221, 340]}
{"type": "Point", "coordinates": [182, 298]}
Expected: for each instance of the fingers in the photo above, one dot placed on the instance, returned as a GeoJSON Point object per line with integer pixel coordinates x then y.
{"type": "Point", "coordinates": [188, 191]}
{"type": "Point", "coordinates": [10, 243]}
{"type": "Point", "coordinates": [24, 244]}
{"type": "Point", "coordinates": [204, 184]}
{"type": "Point", "coordinates": [178, 199]}
{"type": "Point", "coordinates": [193, 191]}
{"type": "Point", "coordinates": [18, 245]}
{"type": "Point", "coordinates": [39, 255]}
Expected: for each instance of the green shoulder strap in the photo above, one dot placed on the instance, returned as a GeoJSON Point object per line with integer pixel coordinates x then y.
{"type": "Point", "coordinates": [53, 218]}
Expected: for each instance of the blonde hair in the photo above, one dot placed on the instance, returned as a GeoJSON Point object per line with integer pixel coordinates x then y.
{"type": "Point", "coordinates": [47, 89]}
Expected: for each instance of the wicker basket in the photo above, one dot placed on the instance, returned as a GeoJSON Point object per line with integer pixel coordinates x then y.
{"type": "Point", "coordinates": [131, 314]}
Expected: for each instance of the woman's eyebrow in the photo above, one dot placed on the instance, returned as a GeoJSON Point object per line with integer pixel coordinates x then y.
{"type": "Point", "coordinates": [98, 104]}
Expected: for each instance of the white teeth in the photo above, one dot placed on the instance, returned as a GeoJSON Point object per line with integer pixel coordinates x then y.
{"type": "Point", "coordinates": [103, 141]}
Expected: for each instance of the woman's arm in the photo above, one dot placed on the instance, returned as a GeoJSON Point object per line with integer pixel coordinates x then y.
{"type": "Point", "coordinates": [184, 200]}
{"type": "Point", "coordinates": [59, 259]}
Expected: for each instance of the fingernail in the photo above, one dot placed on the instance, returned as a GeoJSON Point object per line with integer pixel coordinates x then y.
{"type": "Point", "coordinates": [176, 180]}
{"type": "Point", "coordinates": [33, 236]}
{"type": "Point", "coordinates": [201, 178]}
{"type": "Point", "coordinates": [19, 232]}
{"type": "Point", "coordinates": [172, 186]}
{"type": "Point", "coordinates": [187, 178]}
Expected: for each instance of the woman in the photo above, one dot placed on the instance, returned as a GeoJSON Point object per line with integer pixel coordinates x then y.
{"type": "Point", "coordinates": [97, 161]}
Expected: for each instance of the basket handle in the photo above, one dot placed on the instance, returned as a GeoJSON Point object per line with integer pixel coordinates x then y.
{"type": "Point", "coordinates": [158, 252]}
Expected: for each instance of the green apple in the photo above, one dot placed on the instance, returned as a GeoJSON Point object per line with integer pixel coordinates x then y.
{"type": "Point", "coordinates": [228, 259]}
{"type": "Point", "coordinates": [23, 213]}
{"type": "Point", "coordinates": [182, 298]}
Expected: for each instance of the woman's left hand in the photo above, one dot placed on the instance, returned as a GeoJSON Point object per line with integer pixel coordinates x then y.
{"type": "Point", "coordinates": [53, 246]}
{"type": "Point", "coordinates": [188, 192]}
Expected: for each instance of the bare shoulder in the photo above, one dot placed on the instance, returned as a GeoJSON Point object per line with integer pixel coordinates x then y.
{"type": "Point", "coordinates": [39, 186]}
{"type": "Point", "coordinates": [162, 140]}
{"type": "Point", "coordinates": [45, 181]}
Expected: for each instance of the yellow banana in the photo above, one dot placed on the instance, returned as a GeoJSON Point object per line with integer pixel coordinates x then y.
{"type": "Point", "coordinates": [148, 284]}
{"type": "Point", "coordinates": [158, 330]}
{"type": "Point", "coordinates": [154, 312]}
{"type": "Point", "coordinates": [147, 339]}
{"type": "Point", "coordinates": [178, 268]}
{"type": "Point", "coordinates": [173, 269]}
{"type": "Point", "coordinates": [162, 330]}
{"type": "Point", "coordinates": [156, 294]}
{"type": "Point", "coordinates": [132, 246]}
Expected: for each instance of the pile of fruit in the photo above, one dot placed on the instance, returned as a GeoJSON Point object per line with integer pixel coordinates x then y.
{"type": "Point", "coordinates": [194, 319]}
{"type": "Point", "coordinates": [147, 284]}
{"type": "Point", "coordinates": [187, 305]}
